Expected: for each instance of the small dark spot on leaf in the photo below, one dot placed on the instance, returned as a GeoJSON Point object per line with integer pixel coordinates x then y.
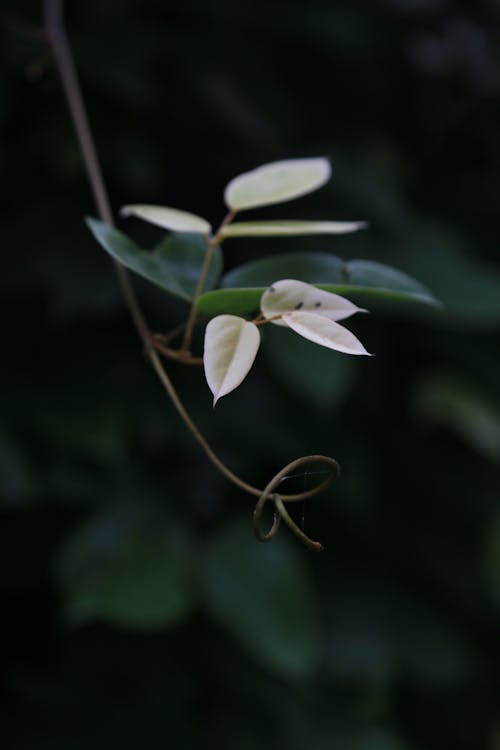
{"type": "Point", "coordinates": [318, 304]}
{"type": "Point", "coordinates": [272, 289]}
{"type": "Point", "coordinates": [298, 305]}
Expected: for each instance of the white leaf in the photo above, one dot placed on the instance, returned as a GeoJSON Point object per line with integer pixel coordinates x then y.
{"type": "Point", "coordinates": [284, 228]}
{"type": "Point", "coordinates": [324, 332]}
{"type": "Point", "coordinates": [231, 344]}
{"type": "Point", "coordinates": [168, 218]}
{"type": "Point", "coordinates": [290, 295]}
{"type": "Point", "coordinates": [277, 182]}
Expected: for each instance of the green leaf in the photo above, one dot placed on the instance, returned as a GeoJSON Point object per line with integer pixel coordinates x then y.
{"type": "Point", "coordinates": [230, 301]}
{"type": "Point", "coordinates": [364, 282]}
{"type": "Point", "coordinates": [184, 254]}
{"type": "Point", "coordinates": [289, 228]}
{"type": "Point", "coordinates": [261, 594]}
{"type": "Point", "coordinates": [320, 376]}
{"type": "Point", "coordinates": [468, 286]}
{"type": "Point", "coordinates": [174, 265]}
{"type": "Point", "coordinates": [316, 268]}
{"type": "Point", "coordinates": [124, 569]}
{"type": "Point", "coordinates": [446, 400]}
{"type": "Point", "coordinates": [168, 218]}
{"type": "Point", "coordinates": [277, 182]}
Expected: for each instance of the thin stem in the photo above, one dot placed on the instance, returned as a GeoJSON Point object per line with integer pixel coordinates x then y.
{"type": "Point", "coordinates": [176, 354]}
{"type": "Point", "coordinates": [56, 34]}
{"type": "Point", "coordinates": [211, 245]}
{"type": "Point", "coordinates": [188, 333]}
{"type": "Point", "coordinates": [310, 543]}
{"type": "Point", "coordinates": [259, 321]}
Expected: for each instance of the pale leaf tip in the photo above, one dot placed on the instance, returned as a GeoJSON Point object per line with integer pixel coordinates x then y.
{"type": "Point", "coordinates": [125, 211]}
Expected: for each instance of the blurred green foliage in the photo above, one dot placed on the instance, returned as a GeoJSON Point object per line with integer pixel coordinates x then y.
{"type": "Point", "coordinates": [138, 610]}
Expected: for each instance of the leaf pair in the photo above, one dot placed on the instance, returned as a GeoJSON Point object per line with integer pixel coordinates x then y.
{"type": "Point", "coordinates": [272, 183]}
{"type": "Point", "coordinates": [231, 342]}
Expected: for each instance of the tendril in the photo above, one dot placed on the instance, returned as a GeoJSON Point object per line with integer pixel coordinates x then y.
{"type": "Point", "coordinates": [280, 512]}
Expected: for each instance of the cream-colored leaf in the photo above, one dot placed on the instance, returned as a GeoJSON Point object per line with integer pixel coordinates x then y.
{"type": "Point", "coordinates": [324, 332]}
{"type": "Point", "coordinates": [231, 344]}
{"type": "Point", "coordinates": [277, 182]}
{"type": "Point", "coordinates": [290, 295]}
{"type": "Point", "coordinates": [288, 228]}
{"type": "Point", "coordinates": [168, 218]}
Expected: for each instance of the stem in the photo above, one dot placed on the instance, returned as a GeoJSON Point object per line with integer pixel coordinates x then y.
{"type": "Point", "coordinates": [211, 245]}
{"type": "Point", "coordinates": [260, 321]}
{"type": "Point", "coordinates": [177, 354]}
{"type": "Point", "coordinates": [188, 333]}
{"type": "Point", "coordinates": [56, 34]}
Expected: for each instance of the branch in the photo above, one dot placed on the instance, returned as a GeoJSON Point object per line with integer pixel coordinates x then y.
{"type": "Point", "coordinates": [57, 38]}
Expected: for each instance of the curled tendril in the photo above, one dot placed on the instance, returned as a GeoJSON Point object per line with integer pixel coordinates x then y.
{"type": "Point", "coordinates": [280, 512]}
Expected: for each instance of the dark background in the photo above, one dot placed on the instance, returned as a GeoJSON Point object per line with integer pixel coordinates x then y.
{"type": "Point", "coordinates": [138, 610]}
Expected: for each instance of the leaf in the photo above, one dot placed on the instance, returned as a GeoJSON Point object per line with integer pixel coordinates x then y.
{"type": "Point", "coordinates": [468, 286]}
{"type": "Point", "coordinates": [276, 182]}
{"type": "Point", "coordinates": [184, 254]}
{"type": "Point", "coordinates": [460, 406]}
{"type": "Point", "coordinates": [288, 295]}
{"type": "Point", "coordinates": [262, 595]}
{"type": "Point", "coordinates": [287, 228]}
{"type": "Point", "coordinates": [173, 265]}
{"type": "Point", "coordinates": [320, 376]}
{"type": "Point", "coordinates": [316, 268]}
{"type": "Point", "coordinates": [122, 567]}
{"type": "Point", "coordinates": [168, 218]}
{"type": "Point", "coordinates": [367, 282]}
{"type": "Point", "coordinates": [324, 332]}
{"type": "Point", "coordinates": [231, 345]}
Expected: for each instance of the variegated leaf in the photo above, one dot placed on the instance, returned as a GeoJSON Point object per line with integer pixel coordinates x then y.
{"type": "Point", "coordinates": [290, 295]}
{"type": "Point", "coordinates": [324, 332]}
{"type": "Point", "coordinates": [231, 344]}
{"type": "Point", "coordinates": [168, 218]}
{"type": "Point", "coordinates": [276, 182]}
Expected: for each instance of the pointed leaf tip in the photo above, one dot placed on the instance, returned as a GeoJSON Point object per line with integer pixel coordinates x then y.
{"type": "Point", "coordinates": [290, 295]}
{"type": "Point", "coordinates": [277, 182]}
{"type": "Point", "coordinates": [168, 218]}
{"type": "Point", "coordinates": [324, 332]}
{"type": "Point", "coordinates": [231, 345]}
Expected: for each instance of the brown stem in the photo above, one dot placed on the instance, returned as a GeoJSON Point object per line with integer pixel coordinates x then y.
{"type": "Point", "coordinates": [188, 333]}
{"type": "Point", "coordinates": [211, 245]}
{"type": "Point", "coordinates": [178, 354]}
{"type": "Point", "coordinates": [259, 321]}
{"type": "Point", "coordinates": [56, 34]}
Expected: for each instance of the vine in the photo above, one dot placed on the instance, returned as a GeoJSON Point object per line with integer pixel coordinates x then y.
{"type": "Point", "coordinates": [57, 38]}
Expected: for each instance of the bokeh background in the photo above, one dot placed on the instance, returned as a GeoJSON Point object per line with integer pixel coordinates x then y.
{"type": "Point", "coordinates": [137, 608]}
